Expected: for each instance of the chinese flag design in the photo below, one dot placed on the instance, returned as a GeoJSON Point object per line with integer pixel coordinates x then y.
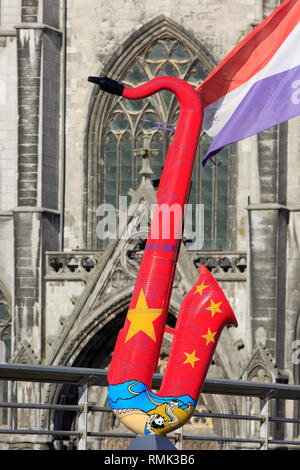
{"type": "Point", "coordinates": [203, 314]}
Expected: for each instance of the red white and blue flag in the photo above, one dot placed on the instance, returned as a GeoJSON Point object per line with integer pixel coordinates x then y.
{"type": "Point", "coordinates": [257, 85]}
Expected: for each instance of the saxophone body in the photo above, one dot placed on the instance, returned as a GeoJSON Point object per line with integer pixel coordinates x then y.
{"type": "Point", "coordinates": [204, 312]}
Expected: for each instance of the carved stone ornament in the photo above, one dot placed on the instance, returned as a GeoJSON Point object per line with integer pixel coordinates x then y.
{"type": "Point", "coordinates": [73, 265]}
{"type": "Point", "coordinates": [132, 254]}
{"type": "Point", "coordinates": [260, 374]}
{"type": "Point", "coordinates": [261, 367]}
{"type": "Point", "coordinates": [25, 354]}
{"type": "Point", "coordinates": [233, 266]}
{"type": "Point", "coordinates": [117, 280]}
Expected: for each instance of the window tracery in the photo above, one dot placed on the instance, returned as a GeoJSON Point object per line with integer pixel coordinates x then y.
{"type": "Point", "coordinates": [129, 120]}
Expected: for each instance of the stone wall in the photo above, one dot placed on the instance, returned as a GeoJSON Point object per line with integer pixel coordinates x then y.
{"type": "Point", "coordinates": [10, 15]}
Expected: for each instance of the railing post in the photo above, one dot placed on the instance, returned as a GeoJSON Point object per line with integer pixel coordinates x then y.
{"type": "Point", "coordinates": [179, 439]}
{"type": "Point", "coordinates": [83, 416]}
{"type": "Point", "coordinates": [264, 424]}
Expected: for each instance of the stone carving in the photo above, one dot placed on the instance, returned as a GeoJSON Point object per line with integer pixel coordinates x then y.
{"type": "Point", "coordinates": [79, 265]}
{"type": "Point", "coordinates": [73, 265]}
{"type": "Point", "coordinates": [260, 369]}
{"type": "Point", "coordinates": [224, 266]}
{"type": "Point", "coordinates": [132, 254]}
{"type": "Point", "coordinates": [117, 280]}
{"type": "Point", "coordinates": [25, 354]}
{"type": "Point", "coordinates": [260, 374]}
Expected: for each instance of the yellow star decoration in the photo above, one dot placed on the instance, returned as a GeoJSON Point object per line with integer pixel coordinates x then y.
{"type": "Point", "coordinates": [210, 337]}
{"type": "Point", "coordinates": [191, 358]}
{"type": "Point", "coordinates": [214, 308]}
{"type": "Point", "coordinates": [199, 289]}
{"type": "Point", "coordinates": [141, 318]}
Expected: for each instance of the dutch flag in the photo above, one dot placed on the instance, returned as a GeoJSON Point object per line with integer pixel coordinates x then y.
{"type": "Point", "coordinates": [257, 85]}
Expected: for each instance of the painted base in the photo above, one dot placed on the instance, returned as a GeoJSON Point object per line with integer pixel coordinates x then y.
{"type": "Point", "coordinates": [153, 442]}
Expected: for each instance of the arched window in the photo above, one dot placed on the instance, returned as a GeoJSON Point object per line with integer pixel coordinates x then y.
{"type": "Point", "coordinates": [124, 128]}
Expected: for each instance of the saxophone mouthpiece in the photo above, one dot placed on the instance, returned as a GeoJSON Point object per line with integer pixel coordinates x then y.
{"type": "Point", "coordinates": [108, 84]}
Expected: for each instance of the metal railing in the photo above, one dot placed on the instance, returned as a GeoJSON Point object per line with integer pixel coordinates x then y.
{"type": "Point", "coordinates": [83, 378]}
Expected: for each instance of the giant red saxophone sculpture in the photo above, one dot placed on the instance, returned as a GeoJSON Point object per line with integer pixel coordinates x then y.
{"type": "Point", "coordinates": [204, 311]}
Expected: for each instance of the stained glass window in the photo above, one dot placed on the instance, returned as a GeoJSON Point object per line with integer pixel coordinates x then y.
{"type": "Point", "coordinates": [128, 120]}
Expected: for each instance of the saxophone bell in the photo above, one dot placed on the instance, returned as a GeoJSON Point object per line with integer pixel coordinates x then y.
{"type": "Point", "coordinates": [204, 313]}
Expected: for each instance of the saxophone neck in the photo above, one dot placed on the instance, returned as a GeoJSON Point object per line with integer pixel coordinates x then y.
{"type": "Point", "coordinates": [185, 93]}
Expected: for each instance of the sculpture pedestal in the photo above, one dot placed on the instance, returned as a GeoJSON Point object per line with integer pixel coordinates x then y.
{"type": "Point", "coordinates": [153, 442]}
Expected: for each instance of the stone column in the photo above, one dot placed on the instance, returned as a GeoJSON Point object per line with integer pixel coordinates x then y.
{"type": "Point", "coordinates": [26, 220]}
{"type": "Point", "coordinates": [268, 224]}
{"type": "Point", "coordinates": [268, 238]}
{"type": "Point", "coordinates": [36, 217]}
{"type": "Point", "coordinates": [263, 240]}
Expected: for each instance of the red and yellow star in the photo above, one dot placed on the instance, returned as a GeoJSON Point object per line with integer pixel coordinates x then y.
{"type": "Point", "coordinates": [199, 288]}
{"type": "Point", "coordinates": [214, 308]}
{"type": "Point", "coordinates": [191, 358]}
{"type": "Point", "coordinates": [142, 317]}
{"type": "Point", "coordinates": [210, 336]}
